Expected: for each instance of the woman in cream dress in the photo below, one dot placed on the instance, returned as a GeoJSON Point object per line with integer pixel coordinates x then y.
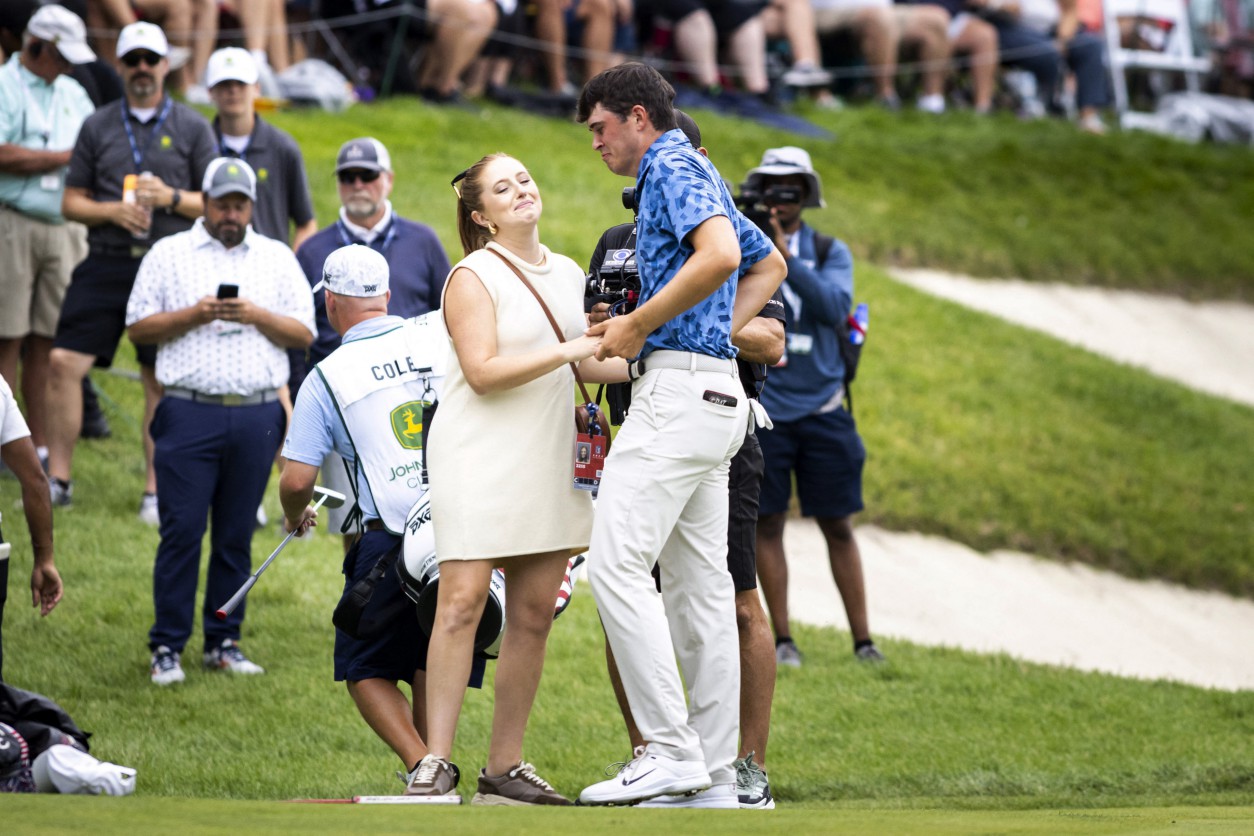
{"type": "Point", "coordinates": [500, 455]}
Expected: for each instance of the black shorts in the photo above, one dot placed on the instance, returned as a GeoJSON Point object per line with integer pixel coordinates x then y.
{"type": "Point", "coordinates": [744, 488]}
{"type": "Point", "coordinates": [827, 456]}
{"type": "Point", "coordinates": [728, 15]}
{"type": "Point", "coordinates": [93, 315]}
{"type": "Point", "coordinates": [398, 651]}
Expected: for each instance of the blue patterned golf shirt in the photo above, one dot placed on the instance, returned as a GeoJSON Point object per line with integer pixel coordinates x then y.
{"type": "Point", "coordinates": [678, 191]}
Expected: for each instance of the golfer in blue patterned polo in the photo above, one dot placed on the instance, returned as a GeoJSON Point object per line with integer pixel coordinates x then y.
{"type": "Point", "coordinates": [663, 496]}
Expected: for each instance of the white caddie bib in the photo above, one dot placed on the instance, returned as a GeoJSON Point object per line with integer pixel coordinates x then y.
{"type": "Point", "coordinates": [380, 385]}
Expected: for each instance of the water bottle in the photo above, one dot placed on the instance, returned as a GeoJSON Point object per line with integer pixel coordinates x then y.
{"type": "Point", "coordinates": [859, 321]}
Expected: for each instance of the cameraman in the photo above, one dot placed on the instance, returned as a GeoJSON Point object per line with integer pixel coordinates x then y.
{"type": "Point", "coordinates": [613, 276]}
{"type": "Point", "coordinates": [813, 435]}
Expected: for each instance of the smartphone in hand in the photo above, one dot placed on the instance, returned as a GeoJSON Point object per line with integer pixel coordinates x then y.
{"type": "Point", "coordinates": [228, 291]}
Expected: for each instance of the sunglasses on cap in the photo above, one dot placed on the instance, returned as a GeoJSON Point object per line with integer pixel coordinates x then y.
{"type": "Point", "coordinates": [364, 175]}
{"type": "Point", "coordinates": [133, 59]}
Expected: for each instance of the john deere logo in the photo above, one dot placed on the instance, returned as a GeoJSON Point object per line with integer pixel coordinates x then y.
{"type": "Point", "coordinates": [407, 424]}
{"type": "Point", "coordinates": [263, 174]}
{"type": "Point", "coordinates": [166, 142]}
{"type": "Point", "coordinates": [232, 169]}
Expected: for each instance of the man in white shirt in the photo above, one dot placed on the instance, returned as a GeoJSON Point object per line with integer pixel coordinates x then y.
{"type": "Point", "coordinates": [223, 304]}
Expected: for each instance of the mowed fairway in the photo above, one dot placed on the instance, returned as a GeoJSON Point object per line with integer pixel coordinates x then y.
{"type": "Point", "coordinates": [978, 430]}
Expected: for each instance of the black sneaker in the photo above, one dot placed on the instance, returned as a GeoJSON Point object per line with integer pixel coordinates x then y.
{"type": "Point", "coordinates": [95, 425]}
{"type": "Point", "coordinates": [869, 653]}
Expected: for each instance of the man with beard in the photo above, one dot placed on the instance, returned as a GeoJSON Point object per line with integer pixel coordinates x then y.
{"type": "Point", "coordinates": [166, 146]}
{"type": "Point", "coordinates": [223, 304]}
{"type": "Point", "coordinates": [416, 260]}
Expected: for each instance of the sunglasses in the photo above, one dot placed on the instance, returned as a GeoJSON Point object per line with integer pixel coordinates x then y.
{"type": "Point", "coordinates": [133, 59]}
{"type": "Point", "coordinates": [457, 189]}
{"type": "Point", "coordinates": [350, 176]}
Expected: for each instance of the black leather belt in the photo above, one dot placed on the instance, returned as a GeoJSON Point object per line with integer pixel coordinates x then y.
{"type": "Point", "coordinates": [120, 250]}
{"type": "Point", "coordinates": [264, 396]}
{"type": "Point", "coordinates": [375, 525]}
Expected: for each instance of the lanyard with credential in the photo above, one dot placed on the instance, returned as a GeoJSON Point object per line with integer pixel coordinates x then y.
{"type": "Point", "coordinates": [136, 154]}
{"type": "Point", "coordinates": [346, 237]}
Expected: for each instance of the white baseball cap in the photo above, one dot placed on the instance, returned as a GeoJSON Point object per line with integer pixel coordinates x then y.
{"type": "Point", "coordinates": [355, 270]}
{"type": "Point", "coordinates": [230, 64]}
{"type": "Point", "coordinates": [230, 175]}
{"type": "Point", "coordinates": [63, 29]}
{"type": "Point", "coordinates": [781, 162]}
{"type": "Point", "coordinates": [143, 35]}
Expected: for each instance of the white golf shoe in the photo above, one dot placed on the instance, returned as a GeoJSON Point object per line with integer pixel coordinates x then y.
{"type": "Point", "coordinates": [648, 775]}
{"type": "Point", "coordinates": [717, 797]}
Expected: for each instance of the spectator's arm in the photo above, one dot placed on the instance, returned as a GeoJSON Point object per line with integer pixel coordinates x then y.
{"type": "Point", "coordinates": [827, 292]}
{"type": "Point", "coordinates": [760, 341]}
{"type": "Point", "coordinates": [23, 162]}
{"type": "Point", "coordinates": [283, 331]}
{"type": "Point", "coordinates": [1068, 22]}
{"type": "Point", "coordinates": [45, 582]}
{"type": "Point", "coordinates": [167, 325]}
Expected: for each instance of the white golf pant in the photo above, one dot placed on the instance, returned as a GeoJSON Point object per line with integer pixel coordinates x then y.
{"type": "Point", "coordinates": [663, 498]}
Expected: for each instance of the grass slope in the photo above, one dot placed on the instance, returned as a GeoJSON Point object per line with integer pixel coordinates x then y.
{"type": "Point", "coordinates": [992, 197]}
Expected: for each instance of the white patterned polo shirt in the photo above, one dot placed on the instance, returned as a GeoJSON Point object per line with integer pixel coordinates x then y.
{"type": "Point", "coordinates": [221, 358]}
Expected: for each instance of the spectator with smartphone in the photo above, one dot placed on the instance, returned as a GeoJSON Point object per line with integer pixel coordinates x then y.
{"type": "Point", "coordinates": [221, 358]}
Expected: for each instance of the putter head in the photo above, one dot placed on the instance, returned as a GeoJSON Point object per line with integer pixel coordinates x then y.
{"type": "Point", "coordinates": [328, 497]}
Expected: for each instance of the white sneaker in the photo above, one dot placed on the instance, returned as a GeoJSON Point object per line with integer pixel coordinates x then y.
{"type": "Point", "coordinates": [717, 797]}
{"type": "Point", "coordinates": [228, 657]}
{"type": "Point", "coordinates": [934, 103]}
{"type": "Point", "coordinates": [165, 668]}
{"type": "Point", "coordinates": [148, 510]}
{"type": "Point", "coordinates": [648, 775]}
{"type": "Point", "coordinates": [263, 519]}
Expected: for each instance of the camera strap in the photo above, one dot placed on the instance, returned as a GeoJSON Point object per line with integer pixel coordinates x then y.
{"type": "Point", "coordinates": [583, 390]}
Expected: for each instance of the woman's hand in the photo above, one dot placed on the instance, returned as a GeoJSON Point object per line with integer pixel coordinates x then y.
{"type": "Point", "coordinates": [581, 347]}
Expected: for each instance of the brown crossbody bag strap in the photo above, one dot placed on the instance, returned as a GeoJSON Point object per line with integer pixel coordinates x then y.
{"type": "Point", "coordinates": [583, 390]}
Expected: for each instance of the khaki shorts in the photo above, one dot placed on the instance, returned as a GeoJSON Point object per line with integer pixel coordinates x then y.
{"type": "Point", "coordinates": [38, 260]}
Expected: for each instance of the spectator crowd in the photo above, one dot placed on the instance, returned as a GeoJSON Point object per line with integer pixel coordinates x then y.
{"type": "Point", "coordinates": [126, 212]}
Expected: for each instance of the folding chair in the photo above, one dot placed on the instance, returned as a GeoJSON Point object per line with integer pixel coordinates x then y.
{"type": "Point", "coordinates": [1164, 29]}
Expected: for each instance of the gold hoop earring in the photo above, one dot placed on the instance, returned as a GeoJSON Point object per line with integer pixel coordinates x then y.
{"type": "Point", "coordinates": [491, 228]}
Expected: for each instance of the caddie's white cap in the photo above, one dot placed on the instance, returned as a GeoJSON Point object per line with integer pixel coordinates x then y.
{"type": "Point", "coordinates": [63, 29]}
{"type": "Point", "coordinates": [781, 162]}
{"type": "Point", "coordinates": [230, 175]}
{"type": "Point", "coordinates": [143, 35]}
{"type": "Point", "coordinates": [230, 64]}
{"type": "Point", "coordinates": [64, 769]}
{"type": "Point", "coordinates": [355, 270]}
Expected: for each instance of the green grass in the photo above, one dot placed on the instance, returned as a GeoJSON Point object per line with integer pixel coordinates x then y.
{"type": "Point", "coordinates": [978, 430]}
{"type": "Point", "coordinates": [992, 197]}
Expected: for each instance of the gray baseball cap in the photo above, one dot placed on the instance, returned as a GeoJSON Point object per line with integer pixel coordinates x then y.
{"type": "Point", "coordinates": [355, 270]}
{"type": "Point", "coordinates": [230, 175]}
{"type": "Point", "coordinates": [366, 153]}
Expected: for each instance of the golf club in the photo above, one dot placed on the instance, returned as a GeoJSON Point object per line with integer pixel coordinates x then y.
{"type": "Point", "coordinates": [327, 497]}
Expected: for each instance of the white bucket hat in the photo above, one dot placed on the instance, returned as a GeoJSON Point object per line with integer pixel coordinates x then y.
{"type": "Point", "coordinates": [782, 162]}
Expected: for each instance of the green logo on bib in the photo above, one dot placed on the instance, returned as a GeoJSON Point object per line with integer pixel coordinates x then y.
{"type": "Point", "coordinates": [407, 424]}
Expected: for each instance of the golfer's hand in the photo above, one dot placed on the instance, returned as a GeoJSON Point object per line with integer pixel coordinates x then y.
{"type": "Point", "coordinates": [45, 588]}
{"type": "Point", "coordinates": [620, 337]}
{"type": "Point", "coordinates": [308, 519]}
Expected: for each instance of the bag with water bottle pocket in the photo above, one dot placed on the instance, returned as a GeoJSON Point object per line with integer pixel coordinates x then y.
{"type": "Point", "coordinates": [852, 330]}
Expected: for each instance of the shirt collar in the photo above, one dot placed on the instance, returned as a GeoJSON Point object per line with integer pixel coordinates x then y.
{"type": "Point", "coordinates": [256, 140]}
{"type": "Point", "coordinates": [375, 231]}
{"type": "Point", "coordinates": [673, 138]}
{"type": "Point", "coordinates": [202, 238]}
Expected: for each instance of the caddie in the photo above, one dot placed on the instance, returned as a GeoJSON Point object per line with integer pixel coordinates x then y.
{"type": "Point", "coordinates": [365, 401]}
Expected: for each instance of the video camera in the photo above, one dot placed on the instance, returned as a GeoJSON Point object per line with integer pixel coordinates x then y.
{"type": "Point", "coordinates": [756, 205]}
{"type": "Point", "coordinates": [616, 280]}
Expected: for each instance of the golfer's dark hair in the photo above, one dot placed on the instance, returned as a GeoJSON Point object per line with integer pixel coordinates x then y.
{"type": "Point", "coordinates": [621, 88]}
{"type": "Point", "coordinates": [469, 189]}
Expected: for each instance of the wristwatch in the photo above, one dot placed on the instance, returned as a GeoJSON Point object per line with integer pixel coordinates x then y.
{"type": "Point", "coordinates": [175, 197]}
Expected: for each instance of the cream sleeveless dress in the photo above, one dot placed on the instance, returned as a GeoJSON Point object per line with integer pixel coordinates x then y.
{"type": "Point", "coordinates": [502, 464]}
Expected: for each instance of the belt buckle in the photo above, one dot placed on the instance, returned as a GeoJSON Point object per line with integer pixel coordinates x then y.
{"type": "Point", "coordinates": [138, 252]}
{"type": "Point", "coordinates": [232, 400]}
